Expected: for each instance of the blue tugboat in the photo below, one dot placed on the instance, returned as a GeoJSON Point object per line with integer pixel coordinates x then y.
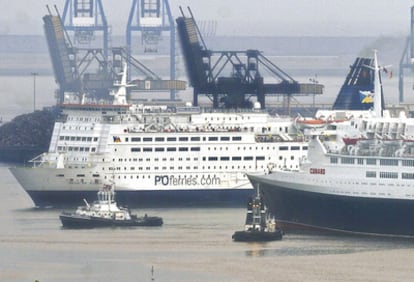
{"type": "Point", "coordinates": [260, 226]}
{"type": "Point", "coordinates": [105, 213]}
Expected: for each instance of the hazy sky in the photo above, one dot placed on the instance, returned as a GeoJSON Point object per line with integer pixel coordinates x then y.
{"type": "Point", "coordinates": [243, 17]}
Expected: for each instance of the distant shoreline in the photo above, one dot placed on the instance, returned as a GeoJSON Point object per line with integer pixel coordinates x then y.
{"type": "Point", "coordinates": [20, 55]}
{"type": "Point", "coordinates": [283, 45]}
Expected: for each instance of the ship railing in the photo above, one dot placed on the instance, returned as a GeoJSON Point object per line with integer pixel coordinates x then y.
{"type": "Point", "coordinates": [43, 160]}
{"type": "Point", "coordinates": [38, 160]}
{"type": "Point", "coordinates": [271, 138]}
{"type": "Point", "coordinates": [117, 119]}
{"type": "Point", "coordinates": [210, 110]}
{"type": "Point", "coordinates": [190, 110]}
{"type": "Point", "coordinates": [151, 129]}
{"type": "Point", "coordinates": [184, 109]}
{"type": "Point", "coordinates": [213, 110]}
{"type": "Point", "coordinates": [115, 116]}
{"type": "Point", "coordinates": [62, 118]}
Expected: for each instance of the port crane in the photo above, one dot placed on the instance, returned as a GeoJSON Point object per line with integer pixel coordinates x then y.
{"type": "Point", "coordinates": [407, 59]}
{"type": "Point", "coordinates": [206, 68]}
{"type": "Point", "coordinates": [74, 49]}
{"type": "Point", "coordinates": [151, 18]}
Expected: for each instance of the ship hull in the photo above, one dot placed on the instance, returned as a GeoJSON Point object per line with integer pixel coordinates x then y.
{"type": "Point", "coordinates": [150, 198]}
{"type": "Point", "coordinates": [47, 190]}
{"type": "Point", "coordinates": [78, 222]}
{"type": "Point", "coordinates": [306, 210]}
{"type": "Point", "coordinates": [257, 236]}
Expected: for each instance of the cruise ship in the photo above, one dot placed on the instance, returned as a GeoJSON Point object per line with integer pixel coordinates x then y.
{"type": "Point", "coordinates": [159, 155]}
{"type": "Point", "coordinates": [358, 177]}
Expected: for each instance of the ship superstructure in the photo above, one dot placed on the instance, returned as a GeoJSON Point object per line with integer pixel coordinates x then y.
{"type": "Point", "coordinates": [158, 154]}
{"type": "Point", "coordinates": [164, 153]}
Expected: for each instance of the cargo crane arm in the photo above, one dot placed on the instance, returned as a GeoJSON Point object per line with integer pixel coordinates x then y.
{"type": "Point", "coordinates": [205, 69]}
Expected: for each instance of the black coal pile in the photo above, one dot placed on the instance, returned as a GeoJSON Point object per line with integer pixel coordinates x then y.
{"type": "Point", "coordinates": [26, 136]}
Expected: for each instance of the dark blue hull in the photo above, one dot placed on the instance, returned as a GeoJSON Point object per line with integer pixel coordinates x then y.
{"type": "Point", "coordinates": [179, 198]}
{"type": "Point", "coordinates": [307, 210]}
{"type": "Point", "coordinates": [257, 236]}
{"type": "Point", "coordinates": [79, 222]}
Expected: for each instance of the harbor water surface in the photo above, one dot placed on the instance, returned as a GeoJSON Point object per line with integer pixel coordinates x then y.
{"type": "Point", "coordinates": [194, 244]}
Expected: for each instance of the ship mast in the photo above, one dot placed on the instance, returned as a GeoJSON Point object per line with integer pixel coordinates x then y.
{"type": "Point", "coordinates": [377, 87]}
{"type": "Point", "coordinates": [120, 96]}
{"type": "Point", "coordinates": [377, 92]}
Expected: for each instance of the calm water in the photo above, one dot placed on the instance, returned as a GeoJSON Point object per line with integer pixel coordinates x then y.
{"type": "Point", "coordinates": [192, 245]}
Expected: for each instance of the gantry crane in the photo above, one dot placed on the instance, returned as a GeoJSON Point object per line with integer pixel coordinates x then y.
{"type": "Point", "coordinates": [151, 18]}
{"type": "Point", "coordinates": [75, 52]}
{"type": "Point", "coordinates": [205, 69]}
{"type": "Point", "coordinates": [407, 58]}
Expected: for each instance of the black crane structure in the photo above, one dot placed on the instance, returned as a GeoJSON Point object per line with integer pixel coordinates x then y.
{"type": "Point", "coordinates": [205, 70]}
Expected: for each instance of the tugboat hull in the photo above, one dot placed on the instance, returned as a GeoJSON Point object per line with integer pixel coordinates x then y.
{"type": "Point", "coordinates": [79, 222]}
{"type": "Point", "coordinates": [257, 236]}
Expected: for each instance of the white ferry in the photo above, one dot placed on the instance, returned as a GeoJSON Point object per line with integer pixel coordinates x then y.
{"type": "Point", "coordinates": [159, 155]}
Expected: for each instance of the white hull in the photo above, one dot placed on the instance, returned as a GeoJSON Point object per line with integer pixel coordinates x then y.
{"type": "Point", "coordinates": [47, 187]}
{"type": "Point", "coordinates": [48, 179]}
